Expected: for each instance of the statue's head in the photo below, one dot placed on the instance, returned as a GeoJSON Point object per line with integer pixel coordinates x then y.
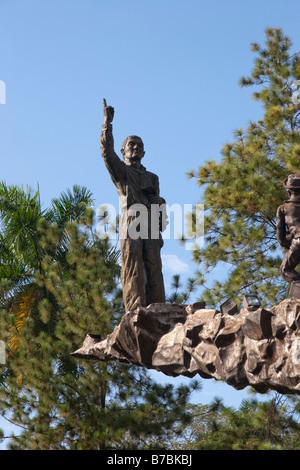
{"type": "Point", "coordinates": [133, 149]}
{"type": "Point", "coordinates": [292, 184]}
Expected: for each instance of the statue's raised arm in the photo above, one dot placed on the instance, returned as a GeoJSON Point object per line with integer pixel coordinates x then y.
{"type": "Point", "coordinates": [112, 162]}
{"type": "Point", "coordinates": [108, 112]}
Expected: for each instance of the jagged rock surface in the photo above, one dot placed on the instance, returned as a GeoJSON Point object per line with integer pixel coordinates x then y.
{"type": "Point", "coordinates": [259, 348]}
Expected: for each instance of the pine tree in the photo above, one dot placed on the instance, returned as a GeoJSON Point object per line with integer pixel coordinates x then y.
{"type": "Point", "coordinates": [272, 424]}
{"type": "Point", "coordinates": [244, 189]}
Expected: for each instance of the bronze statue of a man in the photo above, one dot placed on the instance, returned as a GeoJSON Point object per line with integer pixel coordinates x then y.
{"type": "Point", "coordinates": [141, 267]}
{"type": "Point", "coordinates": [288, 229]}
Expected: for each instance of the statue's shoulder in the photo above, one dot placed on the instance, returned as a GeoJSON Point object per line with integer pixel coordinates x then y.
{"type": "Point", "coordinates": [281, 211]}
{"type": "Point", "coordinates": [152, 175]}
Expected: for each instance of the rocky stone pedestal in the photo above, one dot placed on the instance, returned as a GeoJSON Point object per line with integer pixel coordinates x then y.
{"type": "Point", "coordinates": [260, 348]}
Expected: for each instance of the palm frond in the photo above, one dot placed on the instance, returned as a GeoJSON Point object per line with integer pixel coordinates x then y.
{"type": "Point", "coordinates": [20, 210]}
{"type": "Point", "coordinates": [71, 205]}
{"type": "Point", "coordinates": [21, 309]}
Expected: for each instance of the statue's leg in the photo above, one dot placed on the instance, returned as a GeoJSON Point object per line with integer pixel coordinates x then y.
{"type": "Point", "coordinates": [132, 273]}
{"type": "Point", "coordinates": [155, 290]}
{"type": "Point", "coordinates": [290, 261]}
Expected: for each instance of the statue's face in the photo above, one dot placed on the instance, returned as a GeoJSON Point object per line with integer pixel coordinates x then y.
{"type": "Point", "coordinates": [134, 150]}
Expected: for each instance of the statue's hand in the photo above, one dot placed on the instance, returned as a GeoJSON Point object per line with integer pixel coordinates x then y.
{"type": "Point", "coordinates": [287, 242]}
{"type": "Point", "coordinates": [108, 112]}
{"type": "Point", "coordinates": [154, 199]}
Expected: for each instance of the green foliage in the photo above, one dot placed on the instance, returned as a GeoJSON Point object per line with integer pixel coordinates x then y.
{"type": "Point", "coordinates": [244, 189]}
{"type": "Point", "coordinates": [256, 425]}
{"type": "Point", "coordinates": [70, 288]}
{"type": "Point", "coordinates": [180, 294]}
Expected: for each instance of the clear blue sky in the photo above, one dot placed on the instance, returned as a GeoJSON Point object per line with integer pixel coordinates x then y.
{"type": "Point", "coordinates": [169, 67]}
